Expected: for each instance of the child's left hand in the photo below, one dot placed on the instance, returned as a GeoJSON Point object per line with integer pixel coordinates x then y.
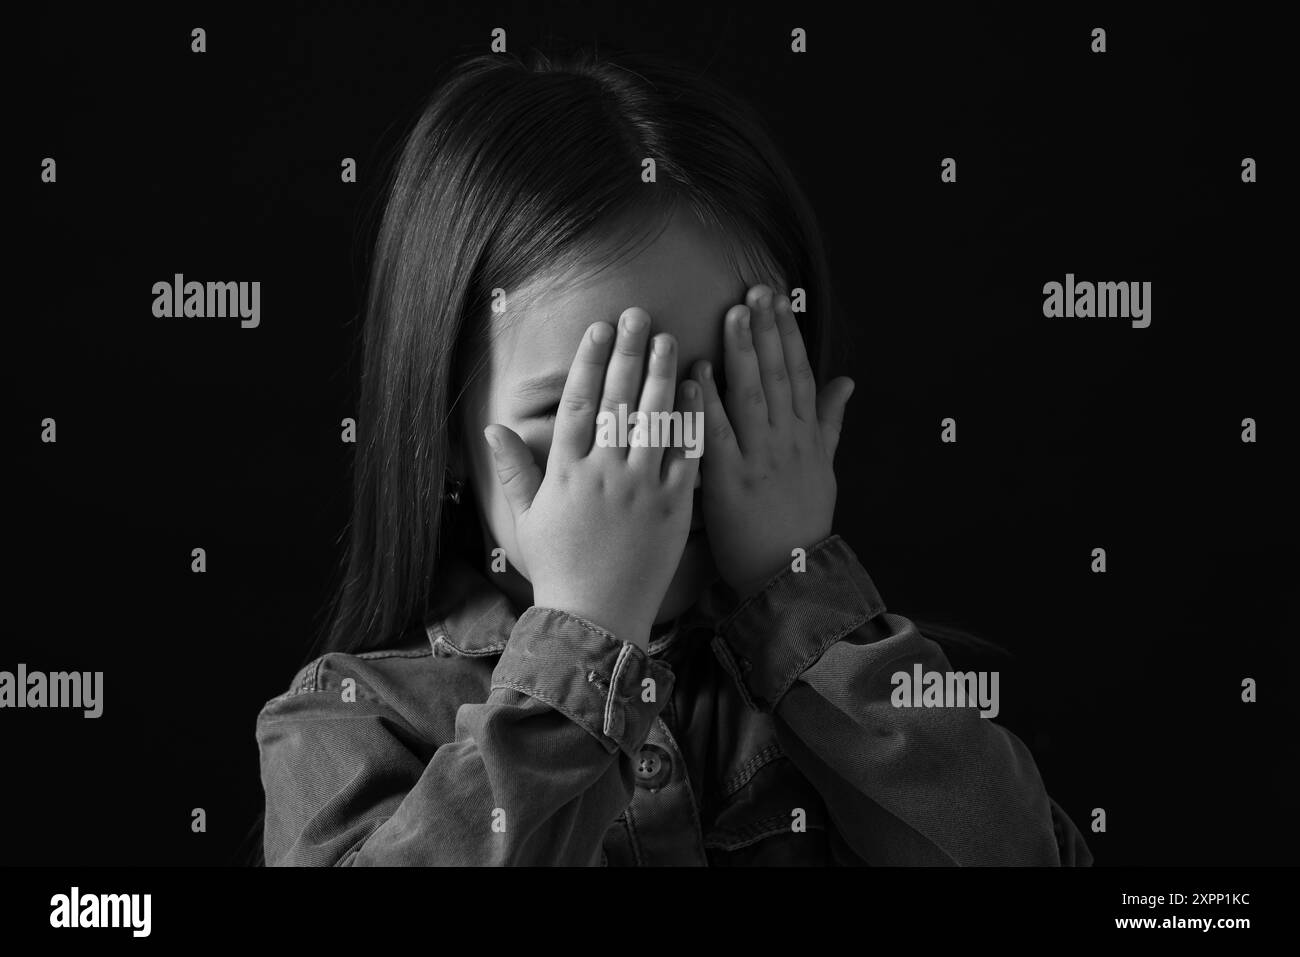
{"type": "Point", "coordinates": [768, 485]}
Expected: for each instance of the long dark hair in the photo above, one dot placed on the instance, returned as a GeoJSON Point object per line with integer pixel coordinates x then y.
{"type": "Point", "coordinates": [511, 169]}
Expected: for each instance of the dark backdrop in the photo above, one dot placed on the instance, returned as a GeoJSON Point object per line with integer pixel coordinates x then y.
{"type": "Point", "coordinates": [1073, 434]}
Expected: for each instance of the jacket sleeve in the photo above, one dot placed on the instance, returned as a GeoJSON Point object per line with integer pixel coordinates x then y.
{"type": "Point", "coordinates": [535, 774]}
{"type": "Point", "coordinates": [903, 785]}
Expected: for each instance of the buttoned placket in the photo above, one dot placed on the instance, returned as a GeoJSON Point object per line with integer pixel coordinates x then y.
{"type": "Point", "coordinates": [662, 823]}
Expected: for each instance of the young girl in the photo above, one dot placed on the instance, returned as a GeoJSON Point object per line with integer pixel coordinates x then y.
{"type": "Point", "coordinates": [554, 649]}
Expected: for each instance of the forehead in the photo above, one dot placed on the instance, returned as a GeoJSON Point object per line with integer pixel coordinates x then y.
{"type": "Point", "coordinates": [684, 279]}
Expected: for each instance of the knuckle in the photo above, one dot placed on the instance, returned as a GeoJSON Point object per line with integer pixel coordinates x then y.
{"type": "Point", "coordinates": [669, 509]}
{"type": "Point", "coordinates": [576, 404]}
{"type": "Point", "coordinates": [627, 494]}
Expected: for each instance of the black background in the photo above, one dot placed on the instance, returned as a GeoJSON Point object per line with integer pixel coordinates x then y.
{"type": "Point", "coordinates": [1073, 434]}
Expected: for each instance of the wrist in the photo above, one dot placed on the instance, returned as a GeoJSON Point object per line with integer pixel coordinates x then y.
{"type": "Point", "coordinates": [750, 584]}
{"type": "Point", "coordinates": [618, 624]}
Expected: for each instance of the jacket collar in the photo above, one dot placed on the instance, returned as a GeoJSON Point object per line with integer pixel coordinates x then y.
{"type": "Point", "coordinates": [471, 617]}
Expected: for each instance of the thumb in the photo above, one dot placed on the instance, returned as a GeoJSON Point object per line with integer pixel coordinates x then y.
{"type": "Point", "coordinates": [830, 411]}
{"type": "Point", "coordinates": [517, 471]}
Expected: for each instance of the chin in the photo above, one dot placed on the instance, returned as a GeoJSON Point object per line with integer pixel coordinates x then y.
{"type": "Point", "coordinates": [694, 572]}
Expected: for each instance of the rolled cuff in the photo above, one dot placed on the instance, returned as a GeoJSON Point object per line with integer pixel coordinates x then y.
{"type": "Point", "coordinates": [780, 632]}
{"type": "Point", "coordinates": [612, 688]}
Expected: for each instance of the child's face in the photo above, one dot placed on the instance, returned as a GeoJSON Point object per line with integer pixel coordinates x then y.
{"type": "Point", "coordinates": [686, 284]}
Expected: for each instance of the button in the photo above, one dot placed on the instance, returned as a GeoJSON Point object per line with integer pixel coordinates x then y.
{"type": "Point", "coordinates": [653, 766]}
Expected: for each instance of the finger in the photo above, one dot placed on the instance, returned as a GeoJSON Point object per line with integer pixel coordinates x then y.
{"type": "Point", "coordinates": [830, 411]}
{"type": "Point", "coordinates": [719, 437]}
{"type": "Point", "coordinates": [681, 462]}
{"type": "Point", "coordinates": [626, 369]}
{"type": "Point", "coordinates": [517, 470]}
{"type": "Point", "coordinates": [771, 358]}
{"type": "Point", "coordinates": [803, 383]}
{"type": "Point", "coordinates": [575, 422]}
{"type": "Point", "coordinates": [746, 403]}
{"type": "Point", "coordinates": [656, 402]}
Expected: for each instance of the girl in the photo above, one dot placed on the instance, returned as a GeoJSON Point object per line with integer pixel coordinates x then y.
{"type": "Point", "coordinates": [553, 649]}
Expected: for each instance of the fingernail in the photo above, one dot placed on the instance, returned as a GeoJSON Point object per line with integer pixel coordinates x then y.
{"type": "Point", "coordinates": [633, 321]}
{"type": "Point", "coordinates": [744, 321]}
{"type": "Point", "coordinates": [688, 389]}
{"type": "Point", "coordinates": [706, 370]}
{"type": "Point", "coordinates": [492, 440]}
{"type": "Point", "coordinates": [600, 332]}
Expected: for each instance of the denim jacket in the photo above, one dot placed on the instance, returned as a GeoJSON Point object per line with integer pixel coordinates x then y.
{"type": "Point", "coordinates": [755, 732]}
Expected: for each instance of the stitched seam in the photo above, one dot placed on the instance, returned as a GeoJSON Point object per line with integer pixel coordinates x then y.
{"type": "Point", "coordinates": [311, 680]}
{"type": "Point", "coordinates": [728, 662]}
{"type": "Point", "coordinates": [313, 720]}
{"type": "Point", "coordinates": [856, 623]}
{"type": "Point", "coordinates": [549, 699]}
{"type": "Point", "coordinates": [590, 624]}
{"type": "Point", "coordinates": [662, 644]}
{"type": "Point", "coordinates": [751, 767]}
{"type": "Point", "coordinates": [686, 782]}
{"type": "Point", "coordinates": [724, 844]}
{"type": "Point", "coordinates": [824, 544]}
{"type": "Point", "coordinates": [436, 631]}
{"type": "Point", "coordinates": [291, 693]}
{"type": "Point", "coordinates": [477, 652]}
{"type": "Point", "coordinates": [613, 687]}
{"type": "Point", "coordinates": [763, 827]}
{"type": "Point", "coordinates": [433, 632]}
{"type": "Point", "coordinates": [370, 655]}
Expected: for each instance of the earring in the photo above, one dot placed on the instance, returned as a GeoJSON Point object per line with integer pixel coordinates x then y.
{"type": "Point", "coordinates": [454, 487]}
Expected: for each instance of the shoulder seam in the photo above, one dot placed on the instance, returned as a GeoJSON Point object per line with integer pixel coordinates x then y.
{"type": "Point", "coordinates": [309, 683]}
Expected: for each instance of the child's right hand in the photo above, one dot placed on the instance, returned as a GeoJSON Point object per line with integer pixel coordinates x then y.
{"type": "Point", "coordinates": [601, 535]}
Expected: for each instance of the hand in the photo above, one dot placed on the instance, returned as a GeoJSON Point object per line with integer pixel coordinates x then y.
{"type": "Point", "coordinates": [768, 485]}
{"type": "Point", "coordinates": [603, 533]}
